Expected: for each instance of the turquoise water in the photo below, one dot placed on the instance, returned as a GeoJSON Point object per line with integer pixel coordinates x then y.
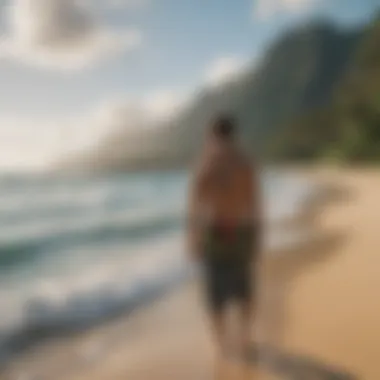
{"type": "Point", "coordinates": [75, 251]}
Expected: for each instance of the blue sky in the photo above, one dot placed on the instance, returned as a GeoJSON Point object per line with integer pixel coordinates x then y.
{"type": "Point", "coordinates": [59, 73]}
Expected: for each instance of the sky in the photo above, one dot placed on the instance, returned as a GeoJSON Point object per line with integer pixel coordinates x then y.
{"type": "Point", "coordinates": [73, 70]}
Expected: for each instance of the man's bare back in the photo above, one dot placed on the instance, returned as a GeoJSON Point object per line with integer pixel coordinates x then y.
{"type": "Point", "coordinates": [225, 187]}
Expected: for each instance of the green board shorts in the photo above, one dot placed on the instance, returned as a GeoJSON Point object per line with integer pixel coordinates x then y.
{"type": "Point", "coordinates": [229, 256]}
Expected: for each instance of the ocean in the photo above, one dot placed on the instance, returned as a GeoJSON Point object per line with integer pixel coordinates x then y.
{"type": "Point", "coordinates": [76, 251]}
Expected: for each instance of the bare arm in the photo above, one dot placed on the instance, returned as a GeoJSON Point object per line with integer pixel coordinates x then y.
{"type": "Point", "coordinates": [254, 197]}
{"type": "Point", "coordinates": [196, 193]}
{"type": "Point", "coordinates": [255, 203]}
{"type": "Point", "coordinates": [257, 206]}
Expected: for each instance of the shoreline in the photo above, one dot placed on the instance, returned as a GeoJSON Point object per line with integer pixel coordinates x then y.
{"type": "Point", "coordinates": [53, 328]}
{"type": "Point", "coordinates": [300, 219]}
{"type": "Point", "coordinates": [170, 339]}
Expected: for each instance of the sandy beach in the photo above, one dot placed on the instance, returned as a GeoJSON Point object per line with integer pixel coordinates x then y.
{"type": "Point", "coordinates": [318, 317]}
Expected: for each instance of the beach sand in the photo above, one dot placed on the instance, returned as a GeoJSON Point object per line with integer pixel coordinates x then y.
{"type": "Point", "coordinates": [332, 310]}
{"type": "Point", "coordinates": [318, 318]}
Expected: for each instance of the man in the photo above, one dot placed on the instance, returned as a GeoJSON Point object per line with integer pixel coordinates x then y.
{"type": "Point", "coordinates": [224, 228]}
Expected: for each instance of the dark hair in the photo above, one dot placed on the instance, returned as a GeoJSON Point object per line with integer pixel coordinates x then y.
{"type": "Point", "coordinates": [224, 127]}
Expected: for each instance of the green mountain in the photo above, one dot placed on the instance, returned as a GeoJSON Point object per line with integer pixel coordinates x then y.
{"type": "Point", "coordinates": [347, 128]}
{"type": "Point", "coordinates": [309, 96]}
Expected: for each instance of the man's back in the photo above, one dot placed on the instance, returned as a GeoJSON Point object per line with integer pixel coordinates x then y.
{"type": "Point", "coordinates": [225, 185]}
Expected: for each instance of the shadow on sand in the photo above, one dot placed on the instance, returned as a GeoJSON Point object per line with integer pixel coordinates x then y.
{"type": "Point", "coordinates": [295, 367]}
{"type": "Point", "coordinates": [279, 273]}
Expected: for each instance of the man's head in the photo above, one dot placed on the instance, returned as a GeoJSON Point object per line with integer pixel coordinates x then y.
{"type": "Point", "coordinates": [223, 129]}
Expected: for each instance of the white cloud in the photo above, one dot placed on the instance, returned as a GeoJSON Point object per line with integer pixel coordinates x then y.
{"type": "Point", "coordinates": [128, 114]}
{"type": "Point", "coordinates": [38, 144]}
{"type": "Point", "coordinates": [61, 34]}
{"type": "Point", "coordinates": [29, 145]}
{"type": "Point", "coordinates": [264, 9]}
{"type": "Point", "coordinates": [47, 142]}
{"type": "Point", "coordinates": [164, 104]}
{"type": "Point", "coordinates": [223, 70]}
{"type": "Point", "coordinates": [118, 114]}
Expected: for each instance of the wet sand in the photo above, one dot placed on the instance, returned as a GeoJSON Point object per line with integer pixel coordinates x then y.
{"type": "Point", "coordinates": [318, 318]}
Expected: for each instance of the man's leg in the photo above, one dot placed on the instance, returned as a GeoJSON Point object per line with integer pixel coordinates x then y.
{"type": "Point", "coordinates": [217, 297]}
{"type": "Point", "coordinates": [246, 310]}
{"type": "Point", "coordinates": [246, 316]}
{"type": "Point", "coordinates": [219, 327]}
{"type": "Point", "coordinates": [246, 288]}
